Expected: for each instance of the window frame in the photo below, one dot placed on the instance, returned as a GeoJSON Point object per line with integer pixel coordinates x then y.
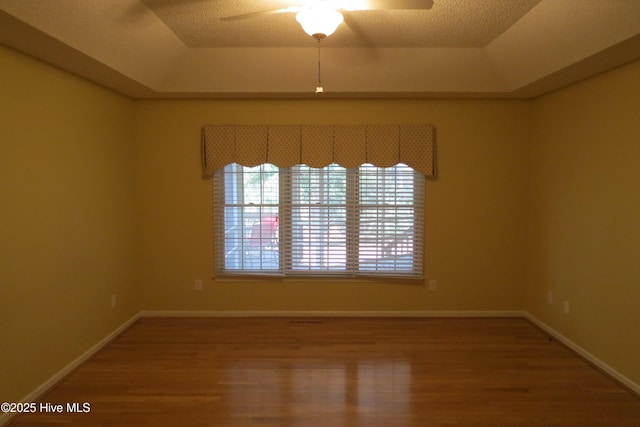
{"type": "Point", "coordinates": [353, 207]}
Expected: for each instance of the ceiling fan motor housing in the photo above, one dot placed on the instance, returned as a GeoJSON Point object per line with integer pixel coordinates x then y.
{"type": "Point", "coordinates": [319, 21]}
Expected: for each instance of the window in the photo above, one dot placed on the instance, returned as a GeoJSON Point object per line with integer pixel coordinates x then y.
{"type": "Point", "coordinates": [330, 221]}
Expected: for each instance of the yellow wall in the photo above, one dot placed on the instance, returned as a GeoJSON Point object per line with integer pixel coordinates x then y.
{"type": "Point", "coordinates": [66, 219]}
{"type": "Point", "coordinates": [102, 195]}
{"type": "Point", "coordinates": [585, 216]}
{"type": "Point", "coordinates": [475, 218]}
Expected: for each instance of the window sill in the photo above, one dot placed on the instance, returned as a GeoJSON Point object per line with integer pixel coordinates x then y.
{"type": "Point", "coordinates": [271, 278]}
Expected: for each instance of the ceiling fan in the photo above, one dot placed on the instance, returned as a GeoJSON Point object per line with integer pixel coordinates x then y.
{"type": "Point", "coordinates": [320, 18]}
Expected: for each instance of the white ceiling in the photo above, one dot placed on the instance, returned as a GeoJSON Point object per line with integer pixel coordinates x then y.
{"type": "Point", "coordinates": [458, 48]}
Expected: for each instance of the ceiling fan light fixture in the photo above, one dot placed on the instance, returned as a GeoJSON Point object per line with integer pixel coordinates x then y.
{"type": "Point", "coordinates": [319, 22]}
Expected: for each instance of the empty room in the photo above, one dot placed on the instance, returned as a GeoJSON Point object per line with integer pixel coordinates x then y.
{"type": "Point", "coordinates": [319, 213]}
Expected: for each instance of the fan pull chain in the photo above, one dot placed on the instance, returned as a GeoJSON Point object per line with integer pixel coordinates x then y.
{"type": "Point", "coordinates": [319, 88]}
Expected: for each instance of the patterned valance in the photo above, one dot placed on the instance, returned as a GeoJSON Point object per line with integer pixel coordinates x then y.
{"type": "Point", "coordinates": [318, 146]}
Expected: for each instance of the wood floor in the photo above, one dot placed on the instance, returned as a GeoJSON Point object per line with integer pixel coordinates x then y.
{"type": "Point", "coordinates": [335, 372]}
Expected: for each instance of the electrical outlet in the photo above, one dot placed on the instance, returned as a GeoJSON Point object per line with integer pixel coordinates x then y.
{"type": "Point", "coordinates": [433, 285]}
{"type": "Point", "coordinates": [197, 285]}
{"type": "Point", "coordinates": [114, 300]}
{"type": "Point", "coordinates": [566, 307]}
{"type": "Point", "coordinates": [549, 297]}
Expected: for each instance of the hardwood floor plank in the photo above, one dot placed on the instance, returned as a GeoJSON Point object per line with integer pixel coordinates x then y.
{"type": "Point", "coordinates": [349, 372]}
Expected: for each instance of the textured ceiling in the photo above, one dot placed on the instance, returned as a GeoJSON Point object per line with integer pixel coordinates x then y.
{"type": "Point", "coordinates": [458, 48]}
{"type": "Point", "coordinates": [449, 24]}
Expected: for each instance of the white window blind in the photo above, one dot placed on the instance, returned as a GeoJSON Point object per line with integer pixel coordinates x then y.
{"type": "Point", "coordinates": [317, 235]}
{"type": "Point", "coordinates": [329, 221]}
{"type": "Point", "coordinates": [390, 221]}
{"type": "Point", "coordinates": [249, 217]}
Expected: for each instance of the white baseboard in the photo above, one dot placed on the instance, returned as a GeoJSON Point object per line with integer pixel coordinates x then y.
{"type": "Point", "coordinates": [42, 388]}
{"type": "Point", "coordinates": [599, 364]}
{"type": "Point", "coordinates": [270, 313]}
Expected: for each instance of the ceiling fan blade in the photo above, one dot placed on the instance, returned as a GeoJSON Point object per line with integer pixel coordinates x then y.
{"type": "Point", "coordinates": [369, 53]}
{"type": "Point", "coordinates": [394, 5]}
{"type": "Point", "coordinates": [250, 15]}
{"type": "Point", "coordinates": [357, 30]}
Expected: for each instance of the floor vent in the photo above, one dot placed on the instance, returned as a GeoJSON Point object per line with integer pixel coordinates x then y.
{"type": "Point", "coordinates": [305, 322]}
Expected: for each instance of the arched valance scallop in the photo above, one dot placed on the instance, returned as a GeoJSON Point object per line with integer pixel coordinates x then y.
{"type": "Point", "coordinates": [317, 146]}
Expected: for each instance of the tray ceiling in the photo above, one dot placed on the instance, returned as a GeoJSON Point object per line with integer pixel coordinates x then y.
{"type": "Point", "coordinates": [458, 48]}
